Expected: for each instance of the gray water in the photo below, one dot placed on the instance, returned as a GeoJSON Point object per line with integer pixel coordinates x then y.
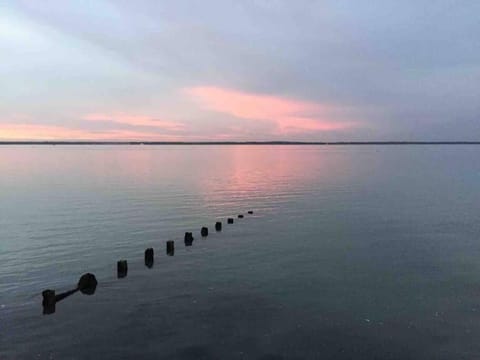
{"type": "Point", "coordinates": [353, 252]}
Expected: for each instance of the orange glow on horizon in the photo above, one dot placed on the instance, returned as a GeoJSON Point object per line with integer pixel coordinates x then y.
{"type": "Point", "coordinates": [289, 115]}
{"type": "Point", "coordinates": [26, 132]}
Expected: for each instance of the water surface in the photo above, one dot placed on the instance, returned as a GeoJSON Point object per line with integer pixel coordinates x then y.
{"type": "Point", "coordinates": [353, 252]}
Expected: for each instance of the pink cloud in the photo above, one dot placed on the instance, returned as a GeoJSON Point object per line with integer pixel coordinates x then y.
{"type": "Point", "coordinates": [288, 115]}
{"type": "Point", "coordinates": [135, 120]}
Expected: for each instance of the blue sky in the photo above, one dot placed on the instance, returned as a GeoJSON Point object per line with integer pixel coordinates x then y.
{"type": "Point", "coordinates": [240, 70]}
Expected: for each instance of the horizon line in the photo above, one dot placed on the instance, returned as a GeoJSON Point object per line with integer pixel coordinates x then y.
{"type": "Point", "coordinates": [86, 142]}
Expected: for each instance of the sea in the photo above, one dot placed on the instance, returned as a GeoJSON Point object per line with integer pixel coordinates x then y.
{"type": "Point", "coordinates": [351, 252]}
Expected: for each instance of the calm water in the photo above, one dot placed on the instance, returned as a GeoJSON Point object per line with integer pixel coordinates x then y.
{"type": "Point", "coordinates": [353, 252]}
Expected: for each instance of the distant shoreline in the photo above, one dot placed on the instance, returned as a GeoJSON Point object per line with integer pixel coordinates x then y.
{"type": "Point", "coordinates": [239, 143]}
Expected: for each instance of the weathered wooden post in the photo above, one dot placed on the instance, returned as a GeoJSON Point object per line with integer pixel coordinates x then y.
{"type": "Point", "coordinates": [48, 301]}
{"type": "Point", "coordinates": [122, 268]}
{"type": "Point", "coordinates": [240, 216]}
{"type": "Point", "coordinates": [218, 226]}
{"type": "Point", "coordinates": [87, 284]}
{"type": "Point", "coordinates": [149, 257]}
{"type": "Point", "coordinates": [204, 231]}
{"type": "Point", "coordinates": [188, 239]}
{"type": "Point", "coordinates": [230, 221]}
{"type": "Point", "coordinates": [170, 248]}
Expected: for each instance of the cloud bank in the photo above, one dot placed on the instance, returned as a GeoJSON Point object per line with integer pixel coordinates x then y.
{"type": "Point", "coordinates": [251, 70]}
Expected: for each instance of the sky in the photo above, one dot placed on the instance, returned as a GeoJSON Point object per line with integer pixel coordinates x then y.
{"type": "Point", "coordinates": [326, 70]}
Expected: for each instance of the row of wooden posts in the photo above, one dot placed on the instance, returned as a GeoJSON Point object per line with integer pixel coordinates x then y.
{"type": "Point", "coordinates": [88, 282]}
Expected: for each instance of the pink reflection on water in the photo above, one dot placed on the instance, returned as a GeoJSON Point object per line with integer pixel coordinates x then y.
{"type": "Point", "coordinates": [269, 171]}
{"type": "Point", "coordinates": [218, 174]}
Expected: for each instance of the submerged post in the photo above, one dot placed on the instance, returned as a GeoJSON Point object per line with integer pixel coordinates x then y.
{"type": "Point", "coordinates": [230, 221]}
{"type": "Point", "coordinates": [170, 247]}
{"type": "Point", "coordinates": [149, 257]}
{"type": "Point", "coordinates": [218, 226]}
{"type": "Point", "coordinates": [204, 231]}
{"type": "Point", "coordinates": [188, 239]}
{"type": "Point", "coordinates": [122, 269]}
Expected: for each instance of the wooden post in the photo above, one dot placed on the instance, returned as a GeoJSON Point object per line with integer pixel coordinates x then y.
{"type": "Point", "coordinates": [122, 268]}
{"type": "Point", "coordinates": [188, 239]}
{"type": "Point", "coordinates": [204, 231]}
{"type": "Point", "coordinates": [149, 257]}
{"type": "Point", "coordinates": [170, 247]}
{"type": "Point", "coordinates": [48, 301]}
{"type": "Point", "coordinates": [87, 284]}
{"type": "Point", "coordinates": [218, 226]}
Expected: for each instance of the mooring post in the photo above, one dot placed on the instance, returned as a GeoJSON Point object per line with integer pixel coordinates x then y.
{"type": "Point", "coordinates": [188, 239]}
{"type": "Point", "coordinates": [48, 301]}
{"type": "Point", "coordinates": [218, 226]}
{"type": "Point", "coordinates": [122, 269]}
{"type": "Point", "coordinates": [87, 284]}
{"type": "Point", "coordinates": [230, 221]}
{"type": "Point", "coordinates": [204, 231]}
{"type": "Point", "coordinates": [149, 257]}
{"type": "Point", "coordinates": [170, 247]}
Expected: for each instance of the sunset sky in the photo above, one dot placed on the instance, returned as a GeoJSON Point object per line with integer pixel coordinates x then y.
{"type": "Point", "coordinates": [337, 70]}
